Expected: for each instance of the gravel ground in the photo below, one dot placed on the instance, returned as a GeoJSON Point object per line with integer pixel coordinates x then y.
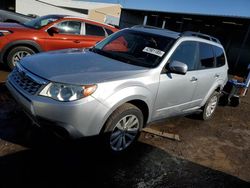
{"type": "Point", "coordinates": [210, 154]}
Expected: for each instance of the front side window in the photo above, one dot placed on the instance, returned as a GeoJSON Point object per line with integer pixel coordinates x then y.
{"type": "Point", "coordinates": [134, 47]}
{"type": "Point", "coordinates": [186, 53]}
{"type": "Point", "coordinates": [206, 56]}
{"type": "Point", "coordinates": [69, 27]}
{"type": "Point", "coordinates": [220, 57]}
{"type": "Point", "coordinates": [94, 30]}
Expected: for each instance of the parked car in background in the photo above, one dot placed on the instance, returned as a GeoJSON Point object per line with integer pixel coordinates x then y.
{"type": "Point", "coordinates": [51, 32]}
{"type": "Point", "coordinates": [8, 16]}
{"type": "Point", "coordinates": [131, 78]}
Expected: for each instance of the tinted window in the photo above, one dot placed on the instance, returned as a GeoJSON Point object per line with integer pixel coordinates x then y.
{"type": "Point", "coordinates": [69, 27]}
{"type": "Point", "coordinates": [186, 53]}
{"type": "Point", "coordinates": [219, 55]}
{"type": "Point", "coordinates": [206, 56]}
{"type": "Point", "coordinates": [94, 30]}
{"type": "Point", "coordinates": [109, 32]}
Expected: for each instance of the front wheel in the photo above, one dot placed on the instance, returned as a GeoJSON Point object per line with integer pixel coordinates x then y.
{"type": "Point", "coordinates": [16, 54]}
{"type": "Point", "coordinates": [123, 127]}
{"type": "Point", "coordinates": [210, 106]}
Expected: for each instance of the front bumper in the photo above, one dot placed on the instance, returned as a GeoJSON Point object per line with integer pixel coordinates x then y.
{"type": "Point", "coordinates": [74, 119]}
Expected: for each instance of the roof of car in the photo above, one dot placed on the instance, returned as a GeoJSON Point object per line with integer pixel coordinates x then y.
{"type": "Point", "coordinates": [157, 31]}
{"type": "Point", "coordinates": [78, 17]}
{"type": "Point", "coordinates": [173, 34]}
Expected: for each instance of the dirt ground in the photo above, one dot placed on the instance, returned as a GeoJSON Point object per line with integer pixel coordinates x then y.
{"type": "Point", "coordinates": [3, 74]}
{"type": "Point", "coordinates": [222, 143]}
{"type": "Point", "coordinates": [213, 153]}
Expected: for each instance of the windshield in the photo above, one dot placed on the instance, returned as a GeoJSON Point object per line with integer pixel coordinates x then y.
{"type": "Point", "coordinates": [134, 47]}
{"type": "Point", "coordinates": [42, 21]}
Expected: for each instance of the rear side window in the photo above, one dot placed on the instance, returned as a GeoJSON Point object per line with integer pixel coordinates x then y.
{"type": "Point", "coordinates": [94, 30]}
{"type": "Point", "coordinates": [186, 53]}
{"type": "Point", "coordinates": [220, 57]}
{"type": "Point", "coordinates": [206, 56]}
{"type": "Point", "coordinates": [109, 32]}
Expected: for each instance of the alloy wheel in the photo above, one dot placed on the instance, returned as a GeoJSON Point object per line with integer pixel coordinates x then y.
{"type": "Point", "coordinates": [211, 106]}
{"type": "Point", "coordinates": [19, 55]}
{"type": "Point", "coordinates": [124, 132]}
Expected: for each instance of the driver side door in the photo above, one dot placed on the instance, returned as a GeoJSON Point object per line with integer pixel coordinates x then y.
{"type": "Point", "coordinates": [175, 93]}
{"type": "Point", "coordinates": [69, 36]}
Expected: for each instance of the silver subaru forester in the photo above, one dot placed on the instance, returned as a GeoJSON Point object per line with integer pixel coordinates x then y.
{"type": "Point", "coordinates": [129, 79]}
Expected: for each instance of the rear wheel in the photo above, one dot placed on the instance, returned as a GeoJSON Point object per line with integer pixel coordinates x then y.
{"type": "Point", "coordinates": [123, 127]}
{"type": "Point", "coordinates": [210, 106]}
{"type": "Point", "coordinates": [16, 54]}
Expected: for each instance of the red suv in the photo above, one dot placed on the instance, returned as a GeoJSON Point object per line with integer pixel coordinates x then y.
{"type": "Point", "coordinates": [51, 32]}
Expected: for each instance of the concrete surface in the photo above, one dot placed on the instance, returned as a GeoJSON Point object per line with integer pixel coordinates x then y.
{"type": "Point", "coordinates": [210, 154]}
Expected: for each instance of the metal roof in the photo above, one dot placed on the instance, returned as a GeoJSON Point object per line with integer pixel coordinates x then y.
{"type": "Point", "coordinates": [78, 4]}
{"type": "Point", "coordinates": [188, 13]}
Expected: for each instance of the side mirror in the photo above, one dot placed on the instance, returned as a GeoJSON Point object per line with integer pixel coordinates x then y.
{"type": "Point", "coordinates": [177, 67]}
{"type": "Point", "coordinates": [53, 30]}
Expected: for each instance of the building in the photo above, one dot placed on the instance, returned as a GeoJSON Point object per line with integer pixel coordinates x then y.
{"type": "Point", "coordinates": [232, 31]}
{"type": "Point", "coordinates": [101, 12]}
{"type": "Point", "coordinates": [7, 5]}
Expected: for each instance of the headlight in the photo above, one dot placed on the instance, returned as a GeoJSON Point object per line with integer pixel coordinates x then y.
{"type": "Point", "coordinates": [66, 92]}
{"type": "Point", "coordinates": [4, 32]}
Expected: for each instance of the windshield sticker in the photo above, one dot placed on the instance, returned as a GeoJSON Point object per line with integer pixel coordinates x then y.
{"type": "Point", "coordinates": [153, 51]}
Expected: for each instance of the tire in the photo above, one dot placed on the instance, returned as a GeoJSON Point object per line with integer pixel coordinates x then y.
{"type": "Point", "coordinates": [16, 54]}
{"type": "Point", "coordinates": [224, 100]}
{"type": "Point", "coordinates": [119, 137]}
{"type": "Point", "coordinates": [209, 108]}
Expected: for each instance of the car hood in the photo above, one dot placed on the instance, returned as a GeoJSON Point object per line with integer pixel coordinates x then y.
{"type": "Point", "coordinates": [13, 26]}
{"type": "Point", "coordinates": [79, 66]}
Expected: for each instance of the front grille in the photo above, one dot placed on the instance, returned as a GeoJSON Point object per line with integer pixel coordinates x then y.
{"type": "Point", "coordinates": [23, 79]}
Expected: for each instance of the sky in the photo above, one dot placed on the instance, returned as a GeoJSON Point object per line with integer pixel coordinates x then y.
{"type": "Point", "coordinates": [219, 7]}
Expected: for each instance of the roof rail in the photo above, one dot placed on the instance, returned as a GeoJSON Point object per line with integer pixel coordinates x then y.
{"type": "Point", "coordinates": [145, 26]}
{"type": "Point", "coordinates": [201, 35]}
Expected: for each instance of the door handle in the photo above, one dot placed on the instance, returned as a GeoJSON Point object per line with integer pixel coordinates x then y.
{"type": "Point", "coordinates": [216, 75]}
{"type": "Point", "coordinates": [77, 41]}
{"type": "Point", "coordinates": [193, 79]}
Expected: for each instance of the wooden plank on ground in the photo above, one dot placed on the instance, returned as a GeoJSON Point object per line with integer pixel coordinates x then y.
{"type": "Point", "coordinates": [172, 136]}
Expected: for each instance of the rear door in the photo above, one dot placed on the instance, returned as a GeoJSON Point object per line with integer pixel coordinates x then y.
{"type": "Point", "coordinates": [207, 74]}
{"type": "Point", "coordinates": [94, 34]}
{"type": "Point", "coordinates": [175, 93]}
{"type": "Point", "coordinates": [221, 66]}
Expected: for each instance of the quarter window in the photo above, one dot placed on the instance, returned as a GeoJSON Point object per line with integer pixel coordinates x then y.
{"type": "Point", "coordinates": [69, 27]}
{"type": "Point", "coordinates": [94, 30]}
{"type": "Point", "coordinates": [220, 57]}
{"type": "Point", "coordinates": [206, 56]}
{"type": "Point", "coordinates": [186, 53]}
